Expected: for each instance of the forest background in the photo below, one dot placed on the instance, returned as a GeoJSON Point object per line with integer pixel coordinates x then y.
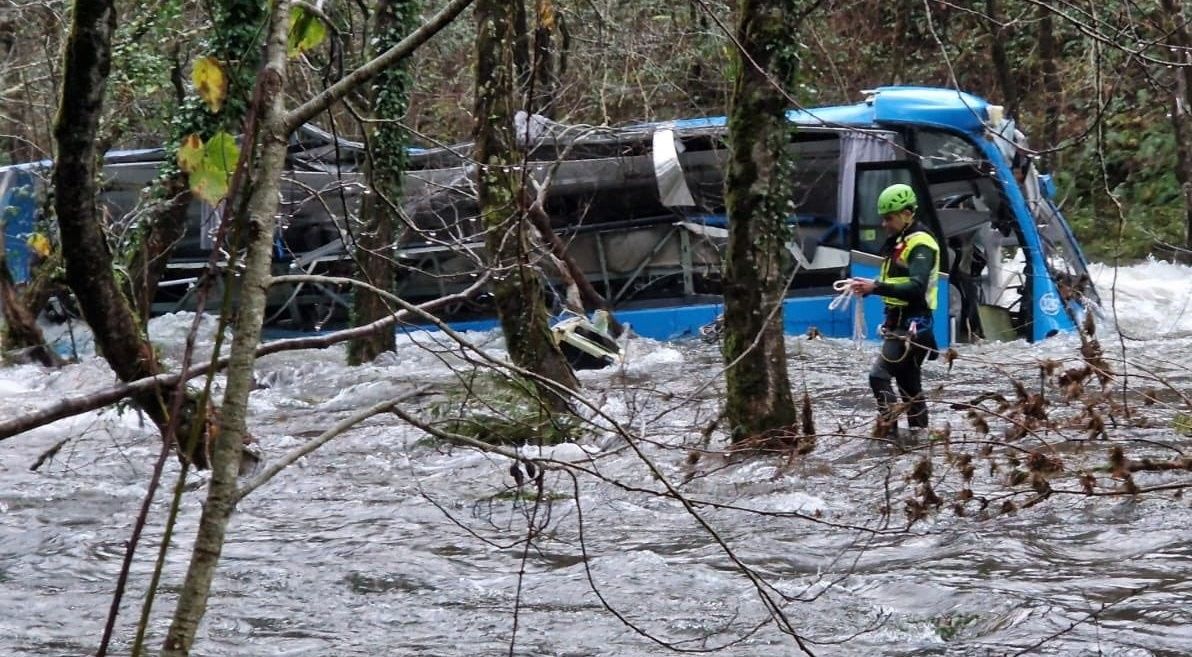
{"type": "Point", "coordinates": [1094, 85]}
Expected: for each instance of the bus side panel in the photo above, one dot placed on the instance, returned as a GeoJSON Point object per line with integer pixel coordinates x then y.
{"type": "Point", "coordinates": [18, 202]}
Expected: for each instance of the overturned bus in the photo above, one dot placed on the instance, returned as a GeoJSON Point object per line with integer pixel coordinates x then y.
{"type": "Point", "coordinates": [641, 211]}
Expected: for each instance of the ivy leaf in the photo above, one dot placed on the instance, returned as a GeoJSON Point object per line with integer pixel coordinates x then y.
{"type": "Point", "coordinates": [306, 32]}
{"type": "Point", "coordinates": [211, 82]}
{"type": "Point", "coordinates": [190, 153]}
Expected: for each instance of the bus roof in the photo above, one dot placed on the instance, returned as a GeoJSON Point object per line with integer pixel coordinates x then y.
{"type": "Point", "coordinates": [944, 108]}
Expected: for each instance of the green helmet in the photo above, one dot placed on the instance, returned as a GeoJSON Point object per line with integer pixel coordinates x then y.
{"type": "Point", "coordinates": [896, 198]}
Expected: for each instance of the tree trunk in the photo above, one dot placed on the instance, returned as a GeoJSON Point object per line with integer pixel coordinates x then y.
{"type": "Point", "coordinates": [259, 222]}
{"type": "Point", "coordinates": [903, 43]}
{"type": "Point", "coordinates": [548, 59]}
{"type": "Point", "coordinates": [517, 288]}
{"type": "Point", "coordinates": [20, 332]}
{"type": "Point", "coordinates": [1181, 107]}
{"type": "Point", "coordinates": [757, 197]}
{"type": "Point", "coordinates": [1052, 89]}
{"type": "Point", "coordinates": [45, 281]}
{"type": "Point", "coordinates": [1001, 63]}
{"type": "Point", "coordinates": [155, 237]}
{"type": "Point", "coordinates": [84, 245]}
{"type": "Point", "coordinates": [591, 299]}
{"type": "Point", "coordinates": [521, 46]}
{"type": "Point", "coordinates": [89, 273]}
{"type": "Point", "coordinates": [259, 217]}
{"type": "Point", "coordinates": [702, 85]}
{"type": "Point", "coordinates": [375, 239]}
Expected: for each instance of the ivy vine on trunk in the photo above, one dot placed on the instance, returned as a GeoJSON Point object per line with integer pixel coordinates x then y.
{"type": "Point", "coordinates": [376, 237]}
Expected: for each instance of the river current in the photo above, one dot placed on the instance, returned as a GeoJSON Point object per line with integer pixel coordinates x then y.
{"type": "Point", "coordinates": [384, 542]}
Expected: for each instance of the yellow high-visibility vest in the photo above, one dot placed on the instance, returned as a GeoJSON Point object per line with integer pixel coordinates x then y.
{"type": "Point", "coordinates": [896, 269]}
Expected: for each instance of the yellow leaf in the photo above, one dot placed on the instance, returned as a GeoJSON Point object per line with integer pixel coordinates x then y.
{"type": "Point", "coordinates": [40, 244]}
{"type": "Point", "coordinates": [546, 14]}
{"type": "Point", "coordinates": [211, 83]}
{"type": "Point", "coordinates": [190, 153]}
{"type": "Point", "coordinates": [209, 184]}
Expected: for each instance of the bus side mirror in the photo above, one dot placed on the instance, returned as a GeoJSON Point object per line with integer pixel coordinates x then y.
{"type": "Point", "coordinates": [1047, 186]}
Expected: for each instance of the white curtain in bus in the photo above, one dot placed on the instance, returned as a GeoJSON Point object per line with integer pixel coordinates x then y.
{"type": "Point", "coordinates": [857, 146]}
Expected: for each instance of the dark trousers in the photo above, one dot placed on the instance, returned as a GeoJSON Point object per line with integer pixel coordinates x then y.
{"type": "Point", "coordinates": [900, 361]}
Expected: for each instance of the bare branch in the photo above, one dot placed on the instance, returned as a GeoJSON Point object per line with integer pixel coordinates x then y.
{"type": "Point", "coordinates": [77, 405]}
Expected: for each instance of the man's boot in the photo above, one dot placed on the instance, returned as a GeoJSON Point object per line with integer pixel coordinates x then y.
{"type": "Point", "coordinates": [917, 419]}
{"type": "Point", "coordinates": [886, 425]}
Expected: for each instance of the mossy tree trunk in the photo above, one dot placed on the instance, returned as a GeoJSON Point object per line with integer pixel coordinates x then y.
{"type": "Point", "coordinates": [757, 198]}
{"type": "Point", "coordinates": [87, 63]}
{"type": "Point", "coordinates": [1181, 106]}
{"type": "Point", "coordinates": [517, 287]}
{"type": "Point", "coordinates": [256, 218]}
{"type": "Point", "coordinates": [377, 236]}
{"type": "Point", "coordinates": [89, 271]}
{"type": "Point", "coordinates": [539, 55]}
{"type": "Point", "coordinates": [236, 42]}
{"type": "Point", "coordinates": [521, 44]}
{"type": "Point", "coordinates": [258, 221]}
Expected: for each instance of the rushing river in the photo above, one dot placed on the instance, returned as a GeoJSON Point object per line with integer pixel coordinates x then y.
{"type": "Point", "coordinates": [386, 543]}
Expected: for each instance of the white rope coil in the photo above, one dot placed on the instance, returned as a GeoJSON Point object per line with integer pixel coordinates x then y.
{"type": "Point", "coordinates": [841, 301]}
{"type": "Point", "coordinates": [844, 287]}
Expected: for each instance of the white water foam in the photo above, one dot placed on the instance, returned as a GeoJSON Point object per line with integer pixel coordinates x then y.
{"type": "Point", "coordinates": [1152, 299]}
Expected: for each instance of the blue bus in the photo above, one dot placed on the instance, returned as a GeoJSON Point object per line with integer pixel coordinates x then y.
{"type": "Point", "coordinates": [641, 211]}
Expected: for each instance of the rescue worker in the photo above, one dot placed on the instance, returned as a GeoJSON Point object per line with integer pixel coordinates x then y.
{"type": "Point", "coordinates": [907, 286]}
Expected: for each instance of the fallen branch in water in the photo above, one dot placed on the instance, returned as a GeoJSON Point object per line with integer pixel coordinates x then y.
{"type": "Point", "coordinates": [80, 404]}
{"type": "Point", "coordinates": [50, 453]}
{"type": "Point", "coordinates": [323, 439]}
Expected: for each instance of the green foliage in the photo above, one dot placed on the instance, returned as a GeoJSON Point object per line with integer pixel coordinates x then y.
{"type": "Point", "coordinates": [307, 32]}
{"type": "Point", "coordinates": [210, 82]}
{"type": "Point", "coordinates": [1182, 423]}
{"type": "Point", "coordinates": [209, 166]}
{"type": "Point", "coordinates": [949, 626]}
{"type": "Point", "coordinates": [139, 85]}
{"type": "Point", "coordinates": [1137, 135]}
{"type": "Point", "coordinates": [505, 412]}
{"type": "Point", "coordinates": [235, 41]}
